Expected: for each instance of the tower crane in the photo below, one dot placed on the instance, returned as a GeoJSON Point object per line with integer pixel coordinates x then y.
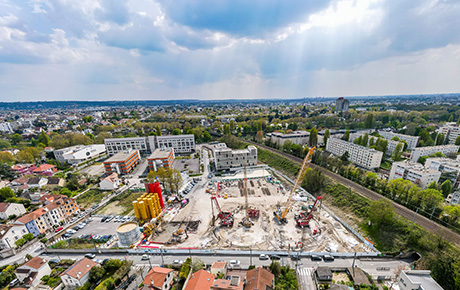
{"type": "Point", "coordinates": [246, 222]}
{"type": "Point", "coordinates": [280, 214]}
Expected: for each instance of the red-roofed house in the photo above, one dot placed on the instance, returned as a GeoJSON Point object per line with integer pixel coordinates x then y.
{"type": "Point", "coordinates": [45, 169]}
{"type": "Point", "coordinates": [158, 279]}
{"type": "Point", "coordinates": [111, 182]}
{"type": "Point", "coordinates": [200, 280]}
{"type": "Point", "coordinates": [31, 272]}
{"type": "Point", "coordinates": [78, 274]}
{"type": "Point", "coordinates": [22, 169]}
{"type": "Point", "coordinates": [259, 279]}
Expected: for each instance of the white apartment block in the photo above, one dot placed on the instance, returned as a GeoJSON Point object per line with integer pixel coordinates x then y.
{"type": "Point", "coordinates": [414, 172]}
{"type": "Point", "coordinates": [428, 150]}
{"type": "Point", "coordinates": [417, 280]}
{"type": "Point", "coordinates": [228, 159]}
{"type": "Point", "coordinates": [296, 137]}
{"type": "Point", "coordinates": [454, 198]}
{"type": "Point", "coordinates": [443, 165]}
{"type": "Point", "coordinates": [412, 141]}
{"type": "Point", "coordinates": [451, 131]}
{"type": "Point", "coordinates": [147, 145]}
{"type": "Point", "coordinates": [359, 155]}
{"type": "Point", "coordinates": [79, 153]}
{"type": "Point", "coordinates": [180, 143]}
{"type": "Point", "coordinates": [116, 145]}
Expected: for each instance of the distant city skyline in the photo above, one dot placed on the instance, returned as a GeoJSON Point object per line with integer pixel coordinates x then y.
{"type": "Point", "coordinates": [103, 50]}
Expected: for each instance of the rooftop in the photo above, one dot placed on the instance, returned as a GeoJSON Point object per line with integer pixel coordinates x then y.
{"type": "Point", "coordinates": [80, 268]}
{"type": "Point", "coordinates": [160, 154]}
{"type": "Point", "coordinates": [200, 280]}
{"type": "Point", "coordinates": [157, 276]}
{"type": "Point", "coordinates": [35, 263]}
{"type": "Point", "coordinates": [422, 278]}
{"type": "Point", "coordinates": [258, 278]}
{"type": "Point", "coordinates": [121, 156]}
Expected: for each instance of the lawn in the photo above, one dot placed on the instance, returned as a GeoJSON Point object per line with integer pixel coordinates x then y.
{"type": "Point", "coordinates": [121, 205]}
{"type": "Point", "coordinates": [91, 197]}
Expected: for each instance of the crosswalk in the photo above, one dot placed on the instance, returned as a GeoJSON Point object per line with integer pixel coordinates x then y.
{"type": "Point", "coordinates": [305, 276]}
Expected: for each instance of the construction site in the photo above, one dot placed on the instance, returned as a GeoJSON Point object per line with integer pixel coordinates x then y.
{"type": "Point", "coordinates": [254, 209]}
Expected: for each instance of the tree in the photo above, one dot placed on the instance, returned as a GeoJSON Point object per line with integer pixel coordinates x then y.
{"type": "Point", "coordinates": [446, 188]}
{"type": "Point", "coordinates": [176, 131]}
{"type": "Point", "coordinates": [259, 136]}
{"type": "Point", "coordinates": [313, 138]}
{"type": "Point", "coordinates": [227, 129]}
{"type": "Point", "coordinates": [6, 193]}
{"type": "Point", "coordinates": [365, 140]}
{"type": "Point", "coordinates": [346, 136]}
{"type": "Point", "coordinates": [20, 242]}
{"type": "Point", "coordinates": [28, 237]}
{"type": "Point", "coordinates": [158, 130]}
{"type": "Point", "coordinates": [433, 185]}
{"type": "Point", "coordinates": [6, 157]}
{"type": "Point", "coordinates": [327, 135]}
{"type": "Point", "coordinates": [96, 273]}
{"type": "Point", "coordinates": [381, 212]}
{"type": "Point", "coordinates": [440, 139]}
{"type": "Point", "coordinates": [16, 139]}
{"type": "Point", "coordinates": [197, 265]}
{"type": "Point", "coordinates": [44, 138]}
{"type": "Point", "coordinates": [4, 144]}
{"type": "Point", "coordinates": [457, 140]}
{"type": "Point", "coordinates": [101, 137]}
{"type": "Point", "coordinates": [275, 268]}
{"type": "Point", "coordinates": [112, 265]}
{"type": "Point", "coordinates": [87, 119]}
{"type": "Point", "coordinates": [397, 152]}
{"type": "Point", "coordinates": [232, 125]}
{"type": "Point", "coordinates": [206, 137]}
{"type": "Point", "coordinates": [369, 122]}
{"type": "Point", "coordinates": [451, 118]}
{"type": "Point", "coordinates": [431, 198]}
{"type": "Point", "coordinates": [313, 181]}
{"type": "Point", "coordinates": [24, 156]}
{"type": "Point", "coordinates": [345, 157]}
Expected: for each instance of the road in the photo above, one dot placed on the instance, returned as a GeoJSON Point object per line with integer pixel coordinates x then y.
{"type": "Point", "coordinates": [420, 220]}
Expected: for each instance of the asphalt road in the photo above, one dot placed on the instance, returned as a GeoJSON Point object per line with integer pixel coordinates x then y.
{"type": "Point", "coordinates": [420, 220]}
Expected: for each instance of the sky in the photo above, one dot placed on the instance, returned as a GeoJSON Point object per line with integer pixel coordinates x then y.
{"type": "Point", "coordinates": [222, 49]}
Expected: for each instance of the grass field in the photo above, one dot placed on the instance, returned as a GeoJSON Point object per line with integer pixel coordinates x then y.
{"type": "Point", "coordinates": [91, 197]}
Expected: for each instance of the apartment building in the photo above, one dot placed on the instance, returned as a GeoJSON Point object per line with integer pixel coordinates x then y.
{"type": "Point", "coordinates": [454, 198]}
{"type": "Point", "coordinates": [444, 165]}
{"type": "Point", "coordinates": [417, 280]}
{"type": "Point", "coordinates": [296, 137]}
{"type": "Point", "coordinates": [341, 105]}
{"type": "Point", "coordinates": [451, 131]}
{"type": "Point", "coordinates": [180, 143]}
{"type": "Point", "coordinates": [49, 216]}
{"type": "Point", "coordinates": [362, 156]}
{"type": "Point", "coordinates": [147, 145]}
{"type": "Point", "coordinates": [412, 141]}
{"type": "Point", "coordinates": [414, 172]}
{"type": "Point", "coordinates": [228, 159]}
{"type": "Point", "coordinates": [161, 158]}
{"type": "Point", "coordinates": [122, 163]}
{"type": "Point", "coordinates": [79, 153]}
{"type": "Point", "coordinates": [117, 145]}
{"type": "Point", "coordinates": [426, 151]}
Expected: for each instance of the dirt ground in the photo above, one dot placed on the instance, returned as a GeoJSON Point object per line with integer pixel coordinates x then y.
{"type": "Point", "coordinates": [266, 233]}
{"type": "Point", "coordinates": [340, 276]}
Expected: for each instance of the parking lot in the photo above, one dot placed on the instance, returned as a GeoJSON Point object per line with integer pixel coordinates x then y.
{"type": "Point", "coordinates": [96, 227]}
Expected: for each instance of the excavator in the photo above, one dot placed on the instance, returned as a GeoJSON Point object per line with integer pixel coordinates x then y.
{"type": "Point", "coordinates": [226, 218]}
{"type": "Point", "coordinates": [303, 219]}
{"type": "Point", "coordinates": [281, 214]}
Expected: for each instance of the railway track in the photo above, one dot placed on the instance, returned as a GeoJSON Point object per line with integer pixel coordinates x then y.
{"type": "Point", "coordinates": [420, 220]}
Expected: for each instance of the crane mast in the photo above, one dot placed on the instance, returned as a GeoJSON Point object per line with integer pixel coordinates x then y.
{"type": "Point", "coordinates": [280, 214]}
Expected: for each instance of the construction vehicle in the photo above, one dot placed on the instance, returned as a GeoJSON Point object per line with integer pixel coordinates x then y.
{"type": "Point", "coordinates": [179, 236]}
{"type": "Point", "coordinates": [303, 219]}
{"type": "Point", "coordinates": [281, 214]}
{"type": "Point", "coordinates": [226, 218]}
{"type": "Point", "coordinates": [246, 222]}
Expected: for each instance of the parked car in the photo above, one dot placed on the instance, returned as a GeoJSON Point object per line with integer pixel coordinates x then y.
{"type": "Point", "coordinates": [14, 282]}
{"type": "Point", "coordinates": [145, 257]}
{"type": "Point", "coordinates": [263, 257]}
{"type": "Point", "coordinates": [90, 255]}
{"type": "Point", "coordinates": [275, 257]}
{"type": "Point", "coordinates": [328, 258]}
{"type": "Point", "coordinates": [177, 262]}
{"type": "Point", "coordinates": [234, 262]}
{"type": "Point", "coordinates": [315, 258]}
{"type": "Point", "coordinates": [58, 229]}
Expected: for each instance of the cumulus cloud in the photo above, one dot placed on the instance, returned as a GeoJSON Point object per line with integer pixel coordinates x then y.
{"type": "Point", "coordinates": [111, 49]}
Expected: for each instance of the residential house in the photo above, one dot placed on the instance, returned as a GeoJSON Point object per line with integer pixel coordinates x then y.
{"type": "Point", "coordinates": [8, 209]}
{"type": "Point", "coordinates": [158, 278]}
{"type": "Point", "coordinates": [324, 274]}
{"type": "Point", "coordinates": [4, 183]}
{"type": "Point", "coordinates": [37, 182]}
{"type": "Point", "coordinates": [110, 182]}
{"type": "Point", "coordinates": [22, 169]}
{"type": "Point", "coordinates": [45, 169]}
{"type": "Point", "coordinates": [55, 182]}
{"type": "Point", "coordinates": [219, 267]}
{"type": "Point", "coordinates": [259, 278]}
{"type": "Point", "coordinates": [77, 274]}
{"type": "Point", "coordinates": [31, 272]}
{"type": "Point", "coordinates": [9, 234]}
{"type": "Point", "coordinates": [200, 280]}
{"type": "Point", "coordinates": [19, 183]}
{"type": "Point", "coordinates": [234, 283]}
